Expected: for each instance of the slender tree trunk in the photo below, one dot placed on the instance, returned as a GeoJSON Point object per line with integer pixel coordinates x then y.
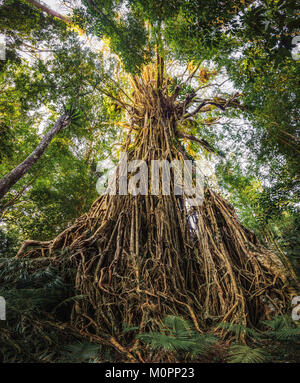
{"type": "Point", "coordinates": [19, 171]}
{"type": "Point", "coordinates": [49, 11]}
{"type": "Point", "coordinates": [13, 200]}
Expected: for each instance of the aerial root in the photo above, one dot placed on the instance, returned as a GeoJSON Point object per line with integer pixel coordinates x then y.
{"type": "Point", "coordinates": [139, 258]}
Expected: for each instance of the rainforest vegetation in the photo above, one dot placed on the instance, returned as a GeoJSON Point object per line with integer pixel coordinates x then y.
{"type": "Point", "coordinates": [133, 277]}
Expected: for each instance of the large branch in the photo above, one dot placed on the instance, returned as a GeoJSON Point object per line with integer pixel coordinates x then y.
{"type": "Point", "coordinates": [219, 102]}
{"type": "Point", "coordinates": [19, 171]}
{"type": "Point", "coordinates": [53, 13]}
{"type": "Point", "coordinates": [49, 11]}
{"type": "Point", "coordinates": [200, 141]}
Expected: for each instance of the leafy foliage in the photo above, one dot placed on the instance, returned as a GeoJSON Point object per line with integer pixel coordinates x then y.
{"type": "Point", "coordinates": [180, 336]}
{"type": "Point", "coordinates": [246, 354]}
{"type": "Point", "coordinates": [282, 329]}
{"type": "Point", "coordinates": [280, 339]}
{"type": "Point", "coordinates": [82, 352]}
{"type": "Point", "coordinates": [30, 295]}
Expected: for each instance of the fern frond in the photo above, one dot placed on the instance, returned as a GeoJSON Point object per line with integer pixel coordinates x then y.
{"type": "Point", "coordinates": [158, 341]}
{"type": "Point", "coordinates": [178, 324]}
{"type": "Point", "coordinates": [179, 335]}
{"type": "Point", "coordinates": [246, 354]}
{"type": "Point", "coordinates": [282, 328]}
{"type": "Point", "coordinates": [82, 351]}
{"type": "Point", "coordinates": [239, 330]}
{"type": "Point", "coordinates": [279, 322]}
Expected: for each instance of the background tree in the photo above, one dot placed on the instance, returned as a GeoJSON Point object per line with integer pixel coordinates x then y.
{"type": "Point", "coordinates": [56, 74]}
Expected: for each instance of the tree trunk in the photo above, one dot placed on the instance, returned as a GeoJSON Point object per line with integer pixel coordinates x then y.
{"type": "Point", "coordinates": [139, 258]}
{"type": "Point", "coordinates": [49, 11]}
{"type": "Point", "coordinates": [19, 171]}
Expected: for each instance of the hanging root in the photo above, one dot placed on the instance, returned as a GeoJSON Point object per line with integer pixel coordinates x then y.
{"type": "Point", "coordinates": [140, 258]}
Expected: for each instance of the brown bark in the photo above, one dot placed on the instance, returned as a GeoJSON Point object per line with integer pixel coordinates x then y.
{"type": "Point", "coordinates": [19, 171]}
{"type": "Point", "coordinates": [49, 11]}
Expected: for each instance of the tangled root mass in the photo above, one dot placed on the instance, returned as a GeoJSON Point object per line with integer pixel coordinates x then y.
{"type": "Point", "coordinates": [140, 258]}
